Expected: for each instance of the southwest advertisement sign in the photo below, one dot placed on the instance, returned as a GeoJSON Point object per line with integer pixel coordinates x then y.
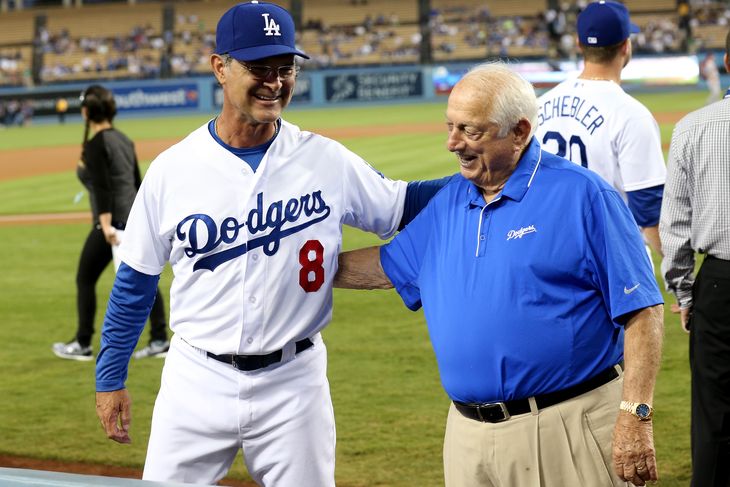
{"type": "Point", "coordinates": [373, 86]}
{"type": "Point", "coordinates": [157, 97]}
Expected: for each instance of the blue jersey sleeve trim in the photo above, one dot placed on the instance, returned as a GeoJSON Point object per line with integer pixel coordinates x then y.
{"type": "Point", "coordinates": [646, 204]}
{"type": "Point", "coordinates": [418, 194]}
{"type": "Point", "coordinates": [129, 306]}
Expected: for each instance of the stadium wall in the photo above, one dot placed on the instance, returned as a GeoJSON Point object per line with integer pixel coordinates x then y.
{"type": "Point", "coordinates": [202, 94]}
{"type": "Point", "coordinates": [340, 87]}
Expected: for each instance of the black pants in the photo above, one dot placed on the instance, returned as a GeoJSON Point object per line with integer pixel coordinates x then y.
{"type": "Point", "coordinates": [95, 256]}
{"type": "Point", "coordinates": [709, 356]}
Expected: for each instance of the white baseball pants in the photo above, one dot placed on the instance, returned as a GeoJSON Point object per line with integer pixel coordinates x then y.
{"type": "Point", "coordinates": [281, 417]}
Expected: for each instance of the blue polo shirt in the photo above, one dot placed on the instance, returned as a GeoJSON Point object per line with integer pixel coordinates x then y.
{"type": "Point", "coordinates": [522, 296]}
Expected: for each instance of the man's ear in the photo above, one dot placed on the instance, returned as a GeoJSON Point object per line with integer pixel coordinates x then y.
{"type": "Point", "coordinates": [521, 132]}
{"type": "Point", "coordinates": [218, 65]}
{"type": "Point", "coordinates": [727, 64]}
{"type": "Point", "coordinates": [626, 47]}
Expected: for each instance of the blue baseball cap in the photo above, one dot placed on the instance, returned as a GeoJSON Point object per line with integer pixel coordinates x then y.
{"type": "Point", "coordinates": [605, 23]}
{"type": "Point", "coordinates": [256, 30]}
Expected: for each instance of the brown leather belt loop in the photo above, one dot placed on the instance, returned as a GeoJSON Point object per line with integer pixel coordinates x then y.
{"type": "Point", "coordinates": [496, 412]}
{"type": "Point", "coordinates": [249, 363]}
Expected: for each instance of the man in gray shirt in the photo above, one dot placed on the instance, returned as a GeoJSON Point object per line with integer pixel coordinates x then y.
{"type": "Point", "coordinates": [695, 218]}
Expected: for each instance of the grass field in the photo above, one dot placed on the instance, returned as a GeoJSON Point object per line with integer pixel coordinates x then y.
{"type": "Point", "coordinates": [389, 405]}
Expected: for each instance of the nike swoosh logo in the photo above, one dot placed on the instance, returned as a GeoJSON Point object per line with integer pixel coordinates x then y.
{"type": "Point", "coordinates": [631, 289]}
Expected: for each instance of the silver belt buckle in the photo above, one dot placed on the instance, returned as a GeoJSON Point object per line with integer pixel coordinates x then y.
{"type": "Point", "coordinates": [491, 419]}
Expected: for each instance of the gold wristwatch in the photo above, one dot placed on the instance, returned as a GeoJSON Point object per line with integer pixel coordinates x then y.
{"type": "Point", "coordinates": [639, 409]}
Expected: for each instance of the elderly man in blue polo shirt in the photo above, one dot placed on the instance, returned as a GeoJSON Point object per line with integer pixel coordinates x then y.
{"type": "Point", "coordinates": [542, 307]}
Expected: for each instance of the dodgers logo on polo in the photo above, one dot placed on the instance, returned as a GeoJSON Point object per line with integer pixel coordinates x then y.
{"type": "Point", "coordinates": [512, 234]}
{"type": "Point", "coordinates": [204, 234]}
{"type": "Point", "coordinates": [270, 27]}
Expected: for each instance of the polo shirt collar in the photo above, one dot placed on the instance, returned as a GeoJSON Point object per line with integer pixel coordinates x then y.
{"type": "Point", "coordinates": [520, 180]}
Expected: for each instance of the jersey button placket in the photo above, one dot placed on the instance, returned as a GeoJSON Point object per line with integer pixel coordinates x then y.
{"type": "Point", "coordinates": [486, 221]}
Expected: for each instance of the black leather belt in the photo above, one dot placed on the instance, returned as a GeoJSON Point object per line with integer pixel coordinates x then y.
{"type": "Point", "coordinates": [496, 412]}
{"type": "Point", "coordinates": [255, 362]}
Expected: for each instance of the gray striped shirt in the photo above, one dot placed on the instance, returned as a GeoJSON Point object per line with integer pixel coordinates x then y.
{"type": "Point", "coordinates": [696, 206]}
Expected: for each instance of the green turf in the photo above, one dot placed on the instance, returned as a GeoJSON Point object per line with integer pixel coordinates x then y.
{"type": "Point", "coordinates": [389, 404]}
{"type": "Point", "coordinates": [398, 156]}
{"type": "Point", "coordinates": [48, 135]}
{"type": "Point", "coordinates": [668, 101]}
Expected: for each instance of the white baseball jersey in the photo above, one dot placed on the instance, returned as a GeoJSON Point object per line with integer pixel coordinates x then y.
{"type": "Point", "coordinates": [596, 124]}
{"type": "Point", "coordinates": [254, 253]}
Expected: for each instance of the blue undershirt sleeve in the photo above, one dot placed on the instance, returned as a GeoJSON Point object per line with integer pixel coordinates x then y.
{"type": "Point", "coordinates": [418, 194]}
{"type": "Point", "coordinates": [129, 306]}
{"type": "Point", "coordinates": [646, 204]}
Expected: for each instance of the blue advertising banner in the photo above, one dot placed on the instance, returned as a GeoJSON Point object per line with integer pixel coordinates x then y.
{"type": "Point", "coordinates": [302, 91]}
{"type": "Point", "coordinates": [157, 97]}
{"type": "Point", "coordinates": [373, 86]}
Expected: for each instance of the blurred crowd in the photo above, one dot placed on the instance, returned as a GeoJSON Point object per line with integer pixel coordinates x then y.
{"type": "Point", "coordinates": [13, 69]}
{"type": "Point", "coordinates": [479, 29]}
{"type": "Point", "coordinates": [710, 13]}
{"type": "Point", "coordinates": [15, 112]}
{"type": "Point", "coordinates": [135, 53]}
{"type": "Point", "coordinates": [461, 32]}
{"type": "Point", "coordinates": [659, 35]}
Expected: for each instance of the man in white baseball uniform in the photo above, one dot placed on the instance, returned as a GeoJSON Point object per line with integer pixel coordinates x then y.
{"type": "Point", "coordinates": [248, 210]}
{"type": "Point", "coordinates": [593, 122]}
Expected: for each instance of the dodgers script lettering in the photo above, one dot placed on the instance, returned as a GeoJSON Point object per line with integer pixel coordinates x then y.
{"type": "Point", "coordinates": [204, 235]}
{"type": "Point", "coordinates": [512, 234]}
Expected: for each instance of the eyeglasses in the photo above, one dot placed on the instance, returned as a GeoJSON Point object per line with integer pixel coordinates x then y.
{"type": "Point", "coordinates": [262, 72]}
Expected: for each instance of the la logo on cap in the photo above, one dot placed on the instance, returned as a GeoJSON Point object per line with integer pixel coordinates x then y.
{"type": "Point", "coordinates": [239, 32]}
{"type": "Point", "coordinates": [270, 27]}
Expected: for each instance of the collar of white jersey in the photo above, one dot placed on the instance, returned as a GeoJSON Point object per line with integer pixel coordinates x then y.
{"type": "Point", "coordinates": [285, 141]}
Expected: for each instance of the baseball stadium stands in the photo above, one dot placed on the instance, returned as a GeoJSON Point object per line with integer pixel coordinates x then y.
{"type": "Point", "coordinates": [113, 41]}
{"type": "Point", "coordinates": [15, 47]}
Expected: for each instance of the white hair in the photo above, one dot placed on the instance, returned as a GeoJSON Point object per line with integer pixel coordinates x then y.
{"type": "Point", "coordinates": [510, 96]}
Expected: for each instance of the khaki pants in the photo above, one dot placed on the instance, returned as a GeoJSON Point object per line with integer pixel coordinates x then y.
{"type": "Point", "coordinates": [568, 444]}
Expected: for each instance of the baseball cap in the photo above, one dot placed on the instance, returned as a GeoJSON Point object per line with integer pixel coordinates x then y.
{"type": "Point", "coordinates": [255, 30]}
{"type": "Point", "coordinates": [604, 23]}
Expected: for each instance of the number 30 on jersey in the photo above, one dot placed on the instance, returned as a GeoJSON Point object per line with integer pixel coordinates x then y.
{"type": "Point", "coordinates": [579, 157]}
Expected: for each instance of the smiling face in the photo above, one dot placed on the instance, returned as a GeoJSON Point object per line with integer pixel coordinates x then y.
{"type": "Point", "coordinates": [254, 99]}
{"type": "Point", "coordinates": [485, 156]}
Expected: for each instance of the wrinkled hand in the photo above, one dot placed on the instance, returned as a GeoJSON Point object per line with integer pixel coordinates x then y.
{"type": "Point", "coordinates": [634, 457]}
{"type": "Point", "coordinates": [114, 409]}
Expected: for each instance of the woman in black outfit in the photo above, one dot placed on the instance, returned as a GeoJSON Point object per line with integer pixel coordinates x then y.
{"type": "Point", "coordinates": [108, 169]}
